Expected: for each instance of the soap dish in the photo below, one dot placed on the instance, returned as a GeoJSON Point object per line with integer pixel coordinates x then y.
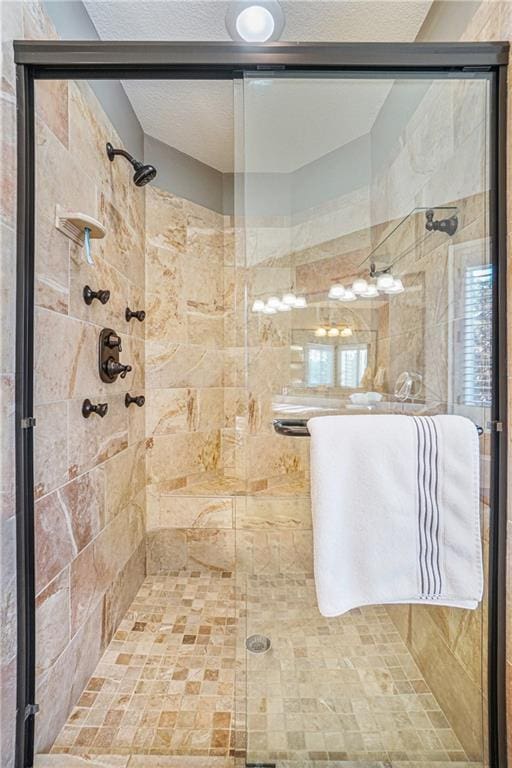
{"type": "Point", "coordinates": [73, 224]}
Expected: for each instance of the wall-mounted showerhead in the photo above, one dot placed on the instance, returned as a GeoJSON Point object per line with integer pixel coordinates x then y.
{"type": "Point", "coordinates": [143, 173]}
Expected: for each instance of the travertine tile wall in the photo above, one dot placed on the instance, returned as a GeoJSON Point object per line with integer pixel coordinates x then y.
{"type": "Point", "coordinates": [446, 144]}
{"type": "Point", "coordinates": [190, 507]}
{"type": "Point", "coordinates": [90, 479]}
{"type": "Point", "coordinates": [89, 473]}
{"type": "Point", "coordinates": [18, 20]}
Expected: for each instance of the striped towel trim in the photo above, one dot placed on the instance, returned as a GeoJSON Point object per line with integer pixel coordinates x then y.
{"type": "Point", "coordinates": [427, 464]}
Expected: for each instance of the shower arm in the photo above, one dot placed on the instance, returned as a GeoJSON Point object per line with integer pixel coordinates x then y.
{"type": "Point", "coordinates": [112, 152]}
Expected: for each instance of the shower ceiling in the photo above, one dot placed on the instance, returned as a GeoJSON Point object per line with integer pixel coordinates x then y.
{"type": "Point", "coordinates": [197, 118]}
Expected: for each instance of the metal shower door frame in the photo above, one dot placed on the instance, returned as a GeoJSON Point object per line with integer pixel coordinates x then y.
{"type": "Point", "coordinates": [198, 60]}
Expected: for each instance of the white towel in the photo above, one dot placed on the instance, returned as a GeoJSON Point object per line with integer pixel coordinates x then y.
{"type": "Point", "coordinates": [395, 502]}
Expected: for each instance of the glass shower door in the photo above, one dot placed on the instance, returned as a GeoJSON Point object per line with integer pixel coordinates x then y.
{"type": "Point", "coordinates": [343, 179]}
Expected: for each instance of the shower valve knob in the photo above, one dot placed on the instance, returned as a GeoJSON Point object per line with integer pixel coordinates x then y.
{"type": "Point", "coordinates": [113, 341]}
{"type": "Point", "coordinates": [139, 314]}
{"type": "Point", "coordinates": [89, 295]}
{"type": "Point", "coordinates": [87, 408]}
{"type": "Point", "coordinates": [113, 368]}
{"type": "Point", "coordinates": [138, 400]}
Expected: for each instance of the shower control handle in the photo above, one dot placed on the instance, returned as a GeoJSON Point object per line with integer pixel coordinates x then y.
{"type": "Point", "coordinates": [87, 408]}
{"type": "Point", "coordinates": [138, 400]}
{"type": "Point", "coordinates": [89, 295]}
{"type": "Point", "coordinates": [114, 368]}
{"type": "Point", "coordinates": [113, 341]}
{"type": "Point", "coordinates": [138, 314]}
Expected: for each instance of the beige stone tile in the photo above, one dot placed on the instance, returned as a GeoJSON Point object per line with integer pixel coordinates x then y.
{"type": "Point", "coordinates": [182, 454]}
{"type": "Point", "coordinates": [94, 440]}
{"type": "Point", "coordinates": [253, 512]}
{"type": "Point", "coordinates": [7, 407]}
{"type": "Point", "coordinates": [56, 699]}
{"type": "Point", "coordinates": [51, 103]}
{"type": "Point", "coordinates": [179, 365]}
{"type": "Point", "coordinates": [52, 616]}
{"type": "Point", "coordinates": [211, 548]}
{"type": "Point", "coordinates": [129, 463]}
{"type": "Point", "coordinates": [171, 410]}
{"type": "Point", "coordinates": [166, 550]}
{"type": "Point", "coordinates": [8, 298]}
{"type": "Point", "coordinates": [81, 761]}
{"type": "Point", "coordinates": [174, 511]}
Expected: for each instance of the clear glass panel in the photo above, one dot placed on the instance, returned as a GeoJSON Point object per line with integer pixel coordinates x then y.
{"type": "Point", "coordinates": [341, 180]}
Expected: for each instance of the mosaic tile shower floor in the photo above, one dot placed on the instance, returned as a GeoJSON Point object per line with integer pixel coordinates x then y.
{"type": "Point", "coordinates": [335, 692]}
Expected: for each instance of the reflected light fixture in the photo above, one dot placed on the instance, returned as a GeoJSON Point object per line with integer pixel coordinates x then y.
{"type": "Point", "coordinates": [397, 287]}
{"type": "Point", "coordinates": [370, 292]}
{"type": "Point", "coordinates": [336, 291]}
{"type": "Point", "coordinates": [255, 22]}
{"type": "Point", "coordinates": [359, 286]}
{"type": "Point", "coordinates": [385, 281]}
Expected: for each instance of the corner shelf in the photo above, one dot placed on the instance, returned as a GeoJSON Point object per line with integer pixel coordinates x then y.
{"type": "Point", "coordinates": [411, 232]}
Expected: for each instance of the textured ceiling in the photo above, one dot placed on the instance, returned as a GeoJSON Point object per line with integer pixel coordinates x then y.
{"type": "Point", "coordinates": [197, 117]}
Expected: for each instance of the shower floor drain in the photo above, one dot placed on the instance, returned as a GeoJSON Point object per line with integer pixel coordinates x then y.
{"type": "Point", "coordinates": [258, 643]}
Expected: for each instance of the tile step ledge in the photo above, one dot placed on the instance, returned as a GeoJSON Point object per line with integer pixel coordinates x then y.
{"type": "Point", "coordinates": [130, 761]}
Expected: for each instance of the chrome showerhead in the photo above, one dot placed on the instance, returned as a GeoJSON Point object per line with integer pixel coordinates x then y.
{"type": "Point", "coordinates": [143, 173]}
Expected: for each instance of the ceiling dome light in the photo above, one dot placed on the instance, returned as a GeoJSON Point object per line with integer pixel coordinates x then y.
{"type": "Point", "coordinates": [254, 22]}
{"type": "Point", "coordinates": [269, 310]}
{"type": "Point", "coordinates": [349, 295]}
{"type": "Point", "coordinates": [336, 291]}
{"type": "Point", "coordinates": [385, 281]}
{"type": "Point", "coordinates": [289, 298]}
{"type": "Point", "coordinates": [274, 302]}
{"type": "Point", "coordinates": [345, 332]}
{"type": "Point", "coordinates": [333, 332]}
{"type": "Point", "coordinates": [258, 305]}
{"type": "Point", "coordinates": [300, 302]}
{"type": "Point", "coordinates": [321, 332]}
{"type": "Point", "coordinates": [284, 307]}
{"type": "Point", "coordinates": [359, 285]}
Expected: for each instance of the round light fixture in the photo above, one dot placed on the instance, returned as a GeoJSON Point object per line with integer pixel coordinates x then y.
{"type": "Point", "coordinates": [300, 302]}
{"type": "Point", "coordinates": [321, 332]}
{"type": "Point", "coordinates": [274, 302]}
{"type": "Point", "coordinates": [345, 332]}
{"type": "Point", "coordinates": [370, 293]}
{"type": "Point", "coordinates": [255, 22]}
{"type": "Point", "coordinates": [336, 291]}
{"type": "Point", "coordinates": [284, 307]}
{"type": "Point", "coordinates": [258, 305]}
{"type": "Point", "coordinates": [349, 295]}
{"type": "Point", "coordinates": [269, 310]}
{"type": "Point", "coordinates": [333, 332]}
{"type": "Point", "coordinates": [289, 298]}
{"type": "Point", "coordinates": [385, 281]}
{"type": "Point", "coordinates": [359, 286]}
{"type": "Point", "coordinates": [397, 287]}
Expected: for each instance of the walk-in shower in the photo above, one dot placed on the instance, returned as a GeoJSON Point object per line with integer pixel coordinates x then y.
{"type": "Point", "coordinates": [347, 259]}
